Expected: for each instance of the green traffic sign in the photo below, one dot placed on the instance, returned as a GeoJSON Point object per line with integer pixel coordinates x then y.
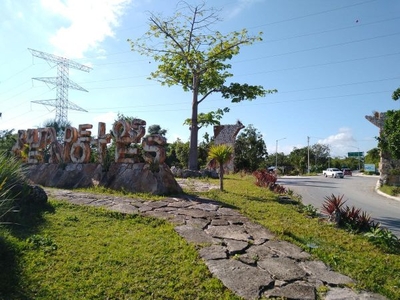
{"type": "Point", "coordinates": [355, 154]}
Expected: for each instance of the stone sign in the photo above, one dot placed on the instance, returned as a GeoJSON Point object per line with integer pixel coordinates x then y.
{"type": "Point", "coordinates": [70, 165]}
{"type": "Point", "coordinates": [77, 142]}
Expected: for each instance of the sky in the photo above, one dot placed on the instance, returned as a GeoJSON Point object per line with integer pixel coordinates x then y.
{"type": "Point", "coordinates": [332, 62]}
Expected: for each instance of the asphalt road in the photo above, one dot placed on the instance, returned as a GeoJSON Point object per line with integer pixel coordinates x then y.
{"type": "Point", "coordinates": [358, 191]}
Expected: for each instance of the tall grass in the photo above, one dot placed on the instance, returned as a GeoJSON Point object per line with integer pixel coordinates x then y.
{"type": "Point", "coordinates": [11, 177]}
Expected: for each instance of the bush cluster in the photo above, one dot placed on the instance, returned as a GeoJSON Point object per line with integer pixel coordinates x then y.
{"type": "Point", "coordinates": [358, 221]}
{"type": "Point", "coordinates": [268, 180]}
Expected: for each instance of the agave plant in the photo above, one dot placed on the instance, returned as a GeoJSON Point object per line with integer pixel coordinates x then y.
{"type": "Point", "coordinates": [333, 204]}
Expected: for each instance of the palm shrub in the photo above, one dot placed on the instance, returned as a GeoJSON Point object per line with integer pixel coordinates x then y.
{"type": "Point", "coordinates": [221, 154]}
{"type": "Point", "coordinates": [12, 183]}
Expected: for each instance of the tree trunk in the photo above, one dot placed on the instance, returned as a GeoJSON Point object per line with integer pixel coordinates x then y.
{"type": "Point", "coordinates": [193, 151]}
{"type": "Point", "coordinates": [221, 176]}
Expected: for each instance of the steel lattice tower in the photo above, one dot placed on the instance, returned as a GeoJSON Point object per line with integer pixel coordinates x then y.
{"type": "Point", "coordinates": [62, 83]}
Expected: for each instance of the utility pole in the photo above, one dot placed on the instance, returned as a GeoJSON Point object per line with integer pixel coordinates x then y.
{"type": "Point", "coordinates": [308, 155]}
{"type": "Point", "coordinates": [62, 83]}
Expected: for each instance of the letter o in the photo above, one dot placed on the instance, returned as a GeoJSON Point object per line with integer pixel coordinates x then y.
{"type": "Point", "coordinates": [80, 152]}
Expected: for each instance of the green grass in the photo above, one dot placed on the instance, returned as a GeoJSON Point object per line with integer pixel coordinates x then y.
{"type": "Point", "coordinates": [76, 252]}
{"type": "Point", "coordinates": [347, 253]}
{"type": "Point", "coordinates": [390, 190]}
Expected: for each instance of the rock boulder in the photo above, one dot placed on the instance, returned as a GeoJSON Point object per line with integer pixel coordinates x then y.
{"type": "Point", "coordinates": [138, 177]}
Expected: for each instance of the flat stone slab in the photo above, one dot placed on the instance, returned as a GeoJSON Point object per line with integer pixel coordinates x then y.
{"type": "Point", "coordinates": [197, 223]}
{"type": "Point", "coordinates": [195, 213]}
{"type": "Point", "coordinates": [294, 291]}
{"type": "Point", "coordinates": [206, 206]}
{"type": "Point", "coordinates": [259, 233]}
{"type": "Point", "coordinates": [233, 232]}
{"type": "Point", "coordinates": [246, 281]}
{"type": "Point", "coordinates": [320, 271]}
{"type": "Point", "coordinates": [261, 252]}
{"type": "Point", "coordinates": [219, 222]}
{"type": "Point", "coordinates": [235, 247]}
{"type": "Point", "coordinates": [282, 268]}
{"type": "Point", "coordinates": [213, 252]}
{"type": "Point", "coordinates": [157, 204]}
{"type": "Point", "coordinates": [194, 235]}
{"type": "Point", "coordinates": [159, 214]}
{"type": "Point", "coordinates": [346, 293]}
{"type": "Point", "coordinates": [286, 249]}
{"type": "Point", "coordinates": [124, 208]}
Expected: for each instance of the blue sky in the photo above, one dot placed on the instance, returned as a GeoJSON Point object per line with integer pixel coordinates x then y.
{"type": "Point", "coordinates": [332, 62]}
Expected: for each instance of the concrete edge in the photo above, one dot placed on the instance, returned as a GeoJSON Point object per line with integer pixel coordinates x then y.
{"type": "Point", "coordinates": [384, 194]}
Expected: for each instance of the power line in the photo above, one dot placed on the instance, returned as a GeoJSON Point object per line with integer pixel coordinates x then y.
{"type": "Point", "coordinates": [313, 14]}
{"type": "Point", "coordinates": [257, 103]}
{"type": "Point", "coordinates": [321, 47]}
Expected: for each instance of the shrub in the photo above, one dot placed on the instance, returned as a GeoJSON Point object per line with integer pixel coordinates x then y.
{"type": "Point", "coordinates": [383, 237]}
{"type": "Point", "coordinates": [12, 183]}
{"type": "Point", "coordinates": [309, 210]}
{"type": "Point", "coordinates": [264, 178]}
{"type": "Point", "coordinates": [268, 180]}
{"type": "Point", "coordinates": [333, 204]}
{"type": "Point", "coordinates": [350, 217]}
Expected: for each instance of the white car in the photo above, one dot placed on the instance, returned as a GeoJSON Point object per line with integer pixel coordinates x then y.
{"type": "Point", "coordinates": [333, 172]}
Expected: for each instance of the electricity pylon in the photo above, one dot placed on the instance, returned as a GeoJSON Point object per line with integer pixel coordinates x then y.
{"type": "Point", "coordinates": [62, 83]}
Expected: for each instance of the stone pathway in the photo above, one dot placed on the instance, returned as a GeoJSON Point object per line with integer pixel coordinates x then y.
{"type": "Point", "coordinates": [246, 257]}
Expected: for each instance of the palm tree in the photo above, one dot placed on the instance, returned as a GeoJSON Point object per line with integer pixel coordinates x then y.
{"type": "Point", "coordinates": [221, 154]}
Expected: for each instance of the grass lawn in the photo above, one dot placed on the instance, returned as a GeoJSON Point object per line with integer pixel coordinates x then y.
{"type": "Point", "coordinates": [74, 252]}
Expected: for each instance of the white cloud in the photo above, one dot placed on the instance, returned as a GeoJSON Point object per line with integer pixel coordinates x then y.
{"type": "Point", "coordinates": [239, 6]}
{"type": "Point", "coordinates": [90, 22]}
{"type": "Point", "coordinates": [341, 143]}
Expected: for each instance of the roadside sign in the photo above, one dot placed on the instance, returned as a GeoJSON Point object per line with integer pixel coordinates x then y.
{"type": "Point", "coordinates": [369, 167]}
{"type": "Point", "coordinates": [355, 154]}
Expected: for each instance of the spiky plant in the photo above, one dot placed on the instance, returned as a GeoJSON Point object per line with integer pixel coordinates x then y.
{"type": "Point", "coordinates": [11, 175]}
{"type": "Point", "coordinates": [350, 216]}
{"type": "Point", "coordinates": [333, 207]}
{"type": "Point", "coordinates": [333, 204]}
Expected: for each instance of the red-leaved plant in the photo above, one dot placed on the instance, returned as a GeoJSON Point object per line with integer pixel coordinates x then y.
{"type": "Point", "coordinates": [333, 204]}
{"type": "Point", "coordinates": [264, 178]}
{"type": "Point", "coordinates": [268, 180]}
{"type": "Point", "coordinates": [351, 217]}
